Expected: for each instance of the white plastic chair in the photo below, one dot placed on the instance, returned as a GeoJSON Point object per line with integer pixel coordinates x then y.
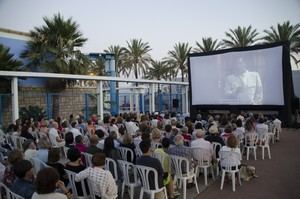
{"type": "Point", "coordinates": [228, 166]}
{"type": "Point", "coordinates": [144, 173]}
{"type": "Point", "coordinates": [127, 169]}
{"type": "Point", "coordinates": [87, 159]}
{"type": "Point", "coordinates": [85, 195]}
{"type": "Point", "coordinates": [66, 151]}
{"type": "Point", "coordinates": [180, 174]}
{"type": "Point", "coordinates": [38, 165]}
{"type": "Point", "coordinates": [216, 145]}
{"type": "Point", "coordinates": [200, 155]}
{"type": "Point", "coordinates": [124, 151]}
{"type": "Point", "coordinates": [111, 165]}
{"type": "Point", "coordinates": [138, 151]}
{"type": "Point", "coordinates": [9, 194]}
{"type": "Point", "coordinates": [250, 143]}
{"type": "Point", "coordinates": [264, 144]}
{"type": "Point", "coordinates": [277, 130]}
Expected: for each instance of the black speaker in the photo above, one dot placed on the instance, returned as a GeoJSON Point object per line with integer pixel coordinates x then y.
{"type": "Point", "coordinates": [175, 103]}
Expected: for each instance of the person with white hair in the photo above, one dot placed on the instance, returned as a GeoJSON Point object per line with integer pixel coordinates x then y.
{"type": "Point", "coordinates": [200, 142]}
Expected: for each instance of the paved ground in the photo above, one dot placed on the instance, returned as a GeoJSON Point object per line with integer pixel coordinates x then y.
{"type": "Point", "coordinates": [278, 177]}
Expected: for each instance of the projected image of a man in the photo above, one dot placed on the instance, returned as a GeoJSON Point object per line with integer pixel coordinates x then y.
{"type": "Point", "coordinates": [243, 86]}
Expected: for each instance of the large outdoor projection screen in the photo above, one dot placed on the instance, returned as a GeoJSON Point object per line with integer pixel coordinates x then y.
{"type": "Point", "coordinates": [241, 77]}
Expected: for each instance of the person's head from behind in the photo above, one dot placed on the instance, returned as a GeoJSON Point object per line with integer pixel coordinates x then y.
{"type": "Point", "coordinates": [94, 140]}
{"type": "Point", "coordinates": [24, 169]}
{"type": "Point", "coordinates": [69, 138]}
{"type": "Point", "coordinates": [228, 129]}
{"type": "Point", "coordinates": [232, 142]}
{"type": "Point", "coordinates": [100, 133]}
{"type": "Point", "coordinates": [122, 130]}
{"type": "Point", "coordinates": [109, 143]}
{"type": "Point", "coordinates": [198, 125]}
{"type": "Point", "coordinates": [29, 144]}
{"type": "Point", "coordinates": [44, 143]}
{"type": "Point", "coordinates": [145, 146]}
{"type": "Point", "coordinates": [261, 120]}
{"type": "Point", "coordinates": [98, 159]}
{"type": "Point", "coordinates": [127, 139]}
{"type": "Point", "coordinates": [73, 124]}
{"type": "Point", "coordinates": [78, 139]}
{"type": "Point", "coordinates": [156, 134]}
{"type": "Point", "coordinates": [73, 154]}
{"type": "Point", "coordinates": [239, 123]}
{"type": "Point", "coordinates": [165, 143]}
{"type": "Point", "coordinates": [53, 155]}
{"type": "Point", "coordinates": [46, 181]}
{"type": "Point", "coordinates": [168, 128]}
{"type": "Point", "coordinates": [200, 133]}
{"type": "Point", "coordinates": [15, 156]}
{"type": "Point", "coordinates": [179, 140]}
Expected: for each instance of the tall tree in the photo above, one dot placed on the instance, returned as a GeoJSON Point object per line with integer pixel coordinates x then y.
{"type": "Point", "coordinates": [7, 63]}
{"type": "Point", "coordinates": [158, 70]}
{"type": "Point", "coordinates": [118, 52]}
{"type": "Point", "coordinates": [240, 37]}
{"type": "Point", "coordinates": [178, 57]}
{"type": "Point", "coordinates": [285, 32]}
{"type": "Point", "coordinates": [208, 44]}
{"type": "Point", "coordinates": [137, 56]}
{"type": "Point", "coordinates": [55, 47]}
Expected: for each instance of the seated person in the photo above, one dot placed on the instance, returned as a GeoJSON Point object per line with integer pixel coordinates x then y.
{"type": "Point", "coordinates": [92, 149]}
{"type": "Point", "coordinates": [79, 144]}
{"type": "Point", "coordinates": [53, 158]}
{"type": "Point", "coordinates": [147, 160]}
{"type": "Point", "coordinates": [69, 139]}
{"type": "Point", "coordinates": [128, 143]}
{"type": "Point", "coordinates": [231, 146]}
{"type": "Point", "coordinates": [102, 180]}
{"type": "Point", "coordinates": [44, 146]}
{"type": "Point", "coordinates": [47, 181]}
{"type": "Point", "coordinates": [14, 157]}
{"type": "Point", "coordinates": [23, 185]}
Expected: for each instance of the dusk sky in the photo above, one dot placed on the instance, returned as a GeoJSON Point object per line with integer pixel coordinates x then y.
{"type": "Point", "coordinates": [162, 23]}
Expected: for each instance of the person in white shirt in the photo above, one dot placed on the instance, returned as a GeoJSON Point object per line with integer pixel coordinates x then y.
{"type": "Point", "coordinates": [231, 146]}
{"type": "Point", "coordinates": [102, 180]}
{"type": "Point", "coordinates": [261, 128]}
{"type": "Point", "coordinates": [54, 137]}
{"type": "Point", "coordinates": [74, 130]}
{"type": "Point", "coordinates": [200, 142]}
{"type": "Point", "coordinates": [243, 86]}
{"type": "Point", "coordinates": [131, 127]}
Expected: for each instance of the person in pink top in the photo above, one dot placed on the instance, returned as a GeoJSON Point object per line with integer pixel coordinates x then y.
{"type": "Point", "coordinates": [79, 144]}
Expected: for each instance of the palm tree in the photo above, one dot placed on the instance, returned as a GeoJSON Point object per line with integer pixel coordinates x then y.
{"type": "Point", "coordinates": [240, 37]}
{"type": "Point", "coordinates": [208, 44]}
{"type": "Point", "coordinates": [137, 56]}
{"type": "Point", "coordinates": [7, 63]}
{"type": "Point", "coordinates": [118, 52]}
{"type": "Point", "coordinates": [158, 70]}
{"type": "Point", "coordinates": [55, 47]}
{"type": "Point", "coordinates": [285, 32]}
{"type": "Point", "coordinates": [178, 57]}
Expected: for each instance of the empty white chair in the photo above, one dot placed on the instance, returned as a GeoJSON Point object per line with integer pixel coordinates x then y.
{"type": "Point", "coordinates": [111, 165]}
{"type": "Point", "coordinates": [228, 166]}
{"type": "Point", "coordinates": [38, 165]}
{"type": "Point", "coordinates": [182, 172]}
{"type": "Point", "coordinates": [250, 143]}
{"type": "Point", "coordinates": [203, 159]}
{"type": "Point", "coordinates": [75, 192]}
{"type": "Point", "coordinates": [129, 177]}
{"type": "Point", "coordinates": [87, 159]}
{"type": "Point", "coordinates": [124, 151]}
{"type": "Point", "coordinates": [264, 144]}
{"type": "Point", "coordinates": [277, 131]}
{"type": "Point", "coordinates": [145, 173]}
{"type": "Point", "coordinates": [8, 193]}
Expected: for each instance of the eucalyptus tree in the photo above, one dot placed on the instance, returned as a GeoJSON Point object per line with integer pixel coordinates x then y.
{"type": "Point", "coordinates": [240, 37]}
{"type": "Point", "coordinates": [285, 32]}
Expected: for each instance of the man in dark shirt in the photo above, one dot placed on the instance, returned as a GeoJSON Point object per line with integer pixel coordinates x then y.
{"type": "Point", "coordinates": [147, 160]}
{"type": "Point", "coordinates": [23, 185]}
